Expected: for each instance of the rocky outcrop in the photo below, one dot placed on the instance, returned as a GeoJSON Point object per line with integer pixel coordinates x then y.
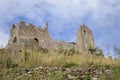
{"type": "Point", "coordinates": [62, 73]}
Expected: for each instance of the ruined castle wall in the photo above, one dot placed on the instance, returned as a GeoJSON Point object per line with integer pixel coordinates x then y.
{"type": "Point", "coordinates": [36, 33]}
{"type": "Point", "coordinates": [91, 42]}
{"type": "Point", "coordinates": [13, 35]}
{"type": "Point", "coordinates": [88, 38]}
{"type": "Point", "coordinates": [84, 38]}
{"type": "Point", "coordinates": [26, 31]}
{"type": "Point", "coordinates": [28, 36]}
{"type": "Point", "coordinates": [66, 45]}
{"type": "Point", "coordinates": [80, 42]}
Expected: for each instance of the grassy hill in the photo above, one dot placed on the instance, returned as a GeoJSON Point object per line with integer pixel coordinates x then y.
{"type": "Point", "coordinates": [10, 62]}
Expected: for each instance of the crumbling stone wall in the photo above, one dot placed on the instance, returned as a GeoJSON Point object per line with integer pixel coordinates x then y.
{"type": "Point", "coordinates": [28, 36]}
{"type": "Point", "coordinates": [84, 38]}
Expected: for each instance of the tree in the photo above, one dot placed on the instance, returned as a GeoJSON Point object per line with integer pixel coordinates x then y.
{"type": "Point", "coordinates": [117, 51]}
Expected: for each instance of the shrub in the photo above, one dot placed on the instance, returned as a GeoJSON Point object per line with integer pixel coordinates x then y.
{"type": "Point", "coordinates": [26, 55]}
{"type": "Point", "coordinates": [70, 64]}
{"type": "Point", "coordinates": [44, 50]}
{"type": "Point", "coordinates": [10, 63]}
{"type": "Point", "coordinates": [67, 51]}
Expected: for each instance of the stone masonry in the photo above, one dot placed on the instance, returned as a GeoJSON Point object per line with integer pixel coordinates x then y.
{"type": "Point", "coordinates": [30, 36]}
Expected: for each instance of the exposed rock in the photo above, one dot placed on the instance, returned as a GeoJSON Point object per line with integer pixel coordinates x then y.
{"type": "Point", "coordinates": [45, 72]}
{"type": "Point", "coordinates": [70, 77]}
{"type": "Point", "coordinates": [108, 74]}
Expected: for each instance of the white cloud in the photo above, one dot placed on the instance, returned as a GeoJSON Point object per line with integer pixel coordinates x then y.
{"type": "Point", "coordinates": [65, 16]}
{"type": "Point", "coordinates": [3, 39]}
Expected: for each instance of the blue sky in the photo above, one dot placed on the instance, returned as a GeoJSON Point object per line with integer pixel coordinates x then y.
{"type": "Point", "coordinates": [64, 18]}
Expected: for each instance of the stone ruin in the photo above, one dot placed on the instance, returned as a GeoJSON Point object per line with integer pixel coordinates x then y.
{"type": "Point", "coordinates": [29, 36]}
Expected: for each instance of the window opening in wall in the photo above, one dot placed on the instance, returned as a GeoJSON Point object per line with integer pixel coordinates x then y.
{"type": "Point", "coordinates": [84, 31]}
{"type": "Point", "coordinates": [36, 40]}
{"type": "Point", "coordinates": [15, 40]}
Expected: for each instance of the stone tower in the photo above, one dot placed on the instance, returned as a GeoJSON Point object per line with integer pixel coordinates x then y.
{"type": "Point", "coordinates": [84, 39]}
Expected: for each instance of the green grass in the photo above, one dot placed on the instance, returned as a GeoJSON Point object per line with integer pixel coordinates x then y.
{"type": "Point", "coordinates": [70, 64]}
{"type": "Point", "coordinates": [115, 74]}
{"type": "Point", "coordinates": [35, 58]}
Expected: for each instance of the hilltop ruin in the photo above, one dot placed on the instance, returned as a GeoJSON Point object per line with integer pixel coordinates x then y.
{"type": "Point", "coordinates": [29, 36]}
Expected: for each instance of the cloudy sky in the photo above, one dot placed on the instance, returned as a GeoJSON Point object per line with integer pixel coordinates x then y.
{"type": "Point", "coordinates": [64, 18]}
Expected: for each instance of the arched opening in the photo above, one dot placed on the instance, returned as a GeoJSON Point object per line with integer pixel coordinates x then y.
{"type": "Point", "coordinates": [36, 40]}
{"type": "Point", "coordinates": [13, 26]}
{"type": "Point", "coordinates": [84, 32]}
{"type": "Point", "coordinates": [15, 40]}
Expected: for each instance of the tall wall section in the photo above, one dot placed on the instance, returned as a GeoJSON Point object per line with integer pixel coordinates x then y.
{"type": "Point", "coordinates": [84, 39]}
{"type": "Point", "coordinates": [13, 36]}
{"type": "Point", "coordinates": [24, 35]}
